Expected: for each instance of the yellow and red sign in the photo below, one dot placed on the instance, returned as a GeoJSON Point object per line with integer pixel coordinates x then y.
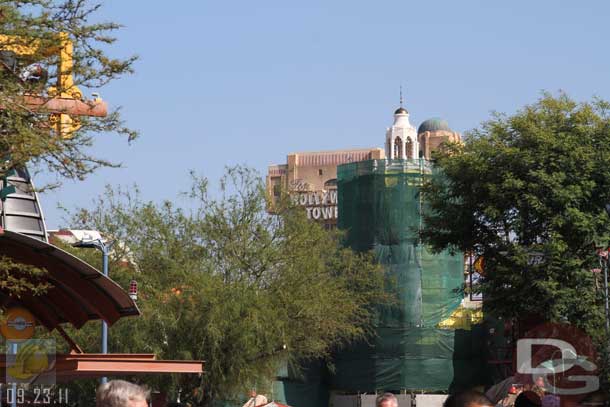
{"type": "Point", "coordinates": [18, 324]}
{"type": "Point", "coordinates": [479, 265]}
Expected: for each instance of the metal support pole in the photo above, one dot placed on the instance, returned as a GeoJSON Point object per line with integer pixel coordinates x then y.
{"type": "Point", "coordinates": [14, 348]}
{"type": "Point", "coordinates": [105, 249]}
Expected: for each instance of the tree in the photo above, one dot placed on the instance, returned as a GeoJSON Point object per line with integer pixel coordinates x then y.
{"type": "Point", "coordinates": [527, 192]}
{"type": "Point", "coordinates": [48, 49]}
{"type": "Point", "coordinates": [228, 283]}
{"type": "Point", "coordinates": [37, 39]}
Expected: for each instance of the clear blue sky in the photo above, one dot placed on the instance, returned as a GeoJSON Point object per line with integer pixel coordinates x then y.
{"type": "Point", "coordinates": [226, 82]}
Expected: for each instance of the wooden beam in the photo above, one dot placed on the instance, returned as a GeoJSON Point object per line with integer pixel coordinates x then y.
{"type": "Point", "coordinates": [73, 107]}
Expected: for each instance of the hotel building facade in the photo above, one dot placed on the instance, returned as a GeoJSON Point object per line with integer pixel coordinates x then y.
{"type": "Point", "coordinates": [310, 178]}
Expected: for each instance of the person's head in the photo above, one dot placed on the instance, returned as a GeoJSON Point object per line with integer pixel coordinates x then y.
{"type": "Point", "coordinates": [119, 393]}
{"type": "Point", "coordinates": [528, 399]}
{"type": "Point", "coordinates": [469, 398]}
{"type": "Point", "coordinates": [386, 400]}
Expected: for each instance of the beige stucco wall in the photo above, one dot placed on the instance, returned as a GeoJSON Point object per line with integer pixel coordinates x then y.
{"type": "Point", "coordinates": [313, 172]}
{"type": "Point", "coordinates": [432, 141]}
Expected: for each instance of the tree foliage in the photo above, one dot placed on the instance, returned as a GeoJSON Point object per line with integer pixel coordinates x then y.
{"type": "Point", "coordinates": [527, 192]}
{"type": "Point", "coordinates": [17, 279]}
{"type": "Point", "coordinates": [225, 282]}
{"type": "Point", "coordinates": [26, 136]}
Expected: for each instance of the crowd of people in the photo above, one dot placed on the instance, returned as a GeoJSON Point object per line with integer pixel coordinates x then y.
{"type": "Point", "coordinates": [507, 394]}
{"type": "Point", "coordinates": [535, 396]}
{"type": "Point", "coordinates": [119, 393]}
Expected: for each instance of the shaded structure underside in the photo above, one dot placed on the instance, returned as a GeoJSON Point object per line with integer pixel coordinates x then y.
{"type": "Point", "coordinates": [78, 292]}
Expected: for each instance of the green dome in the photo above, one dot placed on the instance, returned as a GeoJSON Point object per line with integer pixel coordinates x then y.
{"type": "Point", "coordinates": [434, 124]}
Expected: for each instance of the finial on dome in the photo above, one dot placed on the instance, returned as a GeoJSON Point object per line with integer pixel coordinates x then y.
{"type": "Point", "coordinates": [400, 95]}
{"type": "Point", "coordinates": [401, 110]}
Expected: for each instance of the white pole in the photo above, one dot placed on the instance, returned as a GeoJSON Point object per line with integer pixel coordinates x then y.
{"type": "Point", "coordinates": [14, 349]}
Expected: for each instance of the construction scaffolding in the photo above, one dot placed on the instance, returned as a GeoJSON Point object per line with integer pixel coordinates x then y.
{"type": "Point", "coordinates": [419, 344]}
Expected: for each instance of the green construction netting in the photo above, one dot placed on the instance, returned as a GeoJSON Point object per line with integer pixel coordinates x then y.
{"type": "Point", "coordinates": [308, 388]}
{"type": "Point", "coordinates": [380, 208]}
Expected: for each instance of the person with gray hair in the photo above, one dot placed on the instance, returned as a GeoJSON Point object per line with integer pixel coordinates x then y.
{"type": "Point", "coordinates": [119, 393]}
{"type": "Point", "coordinates": [386, 400]}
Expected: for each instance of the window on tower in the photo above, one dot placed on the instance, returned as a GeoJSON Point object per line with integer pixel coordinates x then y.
{"type": "Point", "coordinates": [397, 147]}
{"type": "Point", "coordinates": [410, 153]}
{"type": "Point", "coordinates": [277, 186]}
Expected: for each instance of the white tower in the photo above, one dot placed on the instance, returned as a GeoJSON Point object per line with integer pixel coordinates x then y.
{"type": "Point", "coordinates": [401, 139]}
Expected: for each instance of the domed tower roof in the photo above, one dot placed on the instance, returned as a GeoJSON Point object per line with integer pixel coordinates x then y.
{"type": "Point", "coordinates": [434, 124]}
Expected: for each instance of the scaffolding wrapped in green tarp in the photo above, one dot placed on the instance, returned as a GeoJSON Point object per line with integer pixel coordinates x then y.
{"type": "Point", "coordinates": [380, 209]}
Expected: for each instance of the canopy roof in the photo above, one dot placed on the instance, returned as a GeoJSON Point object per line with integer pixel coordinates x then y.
{"type": "Point", "coordinates": [78, 292]}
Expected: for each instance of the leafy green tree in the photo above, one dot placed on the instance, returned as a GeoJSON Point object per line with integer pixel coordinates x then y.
{"type": "Point", "coordinates": [40, 27]}
{"type": "Point", "coordinates": [35, 37]}
{"type": "Point", "coordinates": [228, 283]}
{"type": "Point", "coordinates": [527, 192]}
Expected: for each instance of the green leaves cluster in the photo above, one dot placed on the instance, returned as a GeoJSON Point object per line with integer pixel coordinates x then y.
{"type": "Point", "coordinates": [527, 192]}
{"type": "Point", "coordinates": [17, 279]}
{"type": "Point", "coordinates": [228, 283]}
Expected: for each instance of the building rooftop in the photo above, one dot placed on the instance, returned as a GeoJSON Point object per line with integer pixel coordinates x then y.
{"type": "Point", "coordinates": [434, 124]}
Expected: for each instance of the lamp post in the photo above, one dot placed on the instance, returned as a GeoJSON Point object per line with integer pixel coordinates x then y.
{"type": "Point", "coordinates": [104, 247]}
